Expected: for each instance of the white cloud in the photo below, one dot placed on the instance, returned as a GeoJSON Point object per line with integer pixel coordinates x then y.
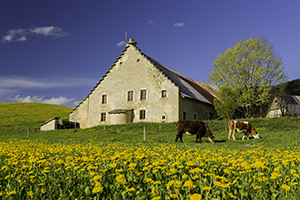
{"type": "Point", "coordinates": [40, 99]}
{"type": "Point", "coordinates": [16, 35]}
{"type": "Point", "coordinates": [178, 24]}
{"type": "Point", "coordinates": [121, 43]}
{"type": "Point", "coordinates": [19, 82]}
{"type": "Point", "coordinates": [151, 22]}
{"type": "Point", "coordinates": [49, 31]}
{"type": "Point", "coordinates": [7, 38]}
{"type": "Point", "coordinates": [23, 38]}
{"type": "Point", "coordinates": [11, 86]}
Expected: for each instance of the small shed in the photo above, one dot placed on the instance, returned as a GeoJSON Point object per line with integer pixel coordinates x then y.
{"type": "Point", "coordinates": [284, 105]}
{"type": "Point", "coordinates": [57, 123]}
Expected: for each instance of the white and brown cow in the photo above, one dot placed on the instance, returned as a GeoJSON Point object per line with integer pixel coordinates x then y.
{"type": "Point", "coordinates": [241, 127]}
{"type": "Point", "coordinates": [198, 128]}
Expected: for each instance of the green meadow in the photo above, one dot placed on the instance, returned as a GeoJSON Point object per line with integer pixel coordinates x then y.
{"type": "Point", "coordinates": [120, 162]}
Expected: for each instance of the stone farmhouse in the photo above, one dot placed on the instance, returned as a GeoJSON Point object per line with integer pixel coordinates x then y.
{"type": "Point", "coordinates": [284, 105]}
{"type": "Point", "coordinates": [138, 88]}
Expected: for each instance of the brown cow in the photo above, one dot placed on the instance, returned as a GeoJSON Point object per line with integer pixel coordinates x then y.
{"type": "Point", "coordinates": [241, 127]}
{"type": "Point", "coordinates": [194, 127]}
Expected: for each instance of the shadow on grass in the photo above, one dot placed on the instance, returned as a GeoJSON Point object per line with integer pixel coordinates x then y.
{"type": "Point", "coordinates": [220, 141]}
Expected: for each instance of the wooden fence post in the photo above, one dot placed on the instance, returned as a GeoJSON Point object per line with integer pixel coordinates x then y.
{"type": "Point", "coordinates": [27, 132]}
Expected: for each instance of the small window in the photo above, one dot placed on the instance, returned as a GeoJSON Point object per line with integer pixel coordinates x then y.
{"type": "Point", "coordinates": [195, 116]}
{"type": "Point", "coordinates": [103, 117]}
{"type": "Point", "coordinates": [163, 93]}
{"type": "Point", "coordinates": [184, 115]}
{"type": "Point", "coordinates": [130, 96]}
{"type": "Point", "coordinates": [104, 99]}
{"type": "Point", "coordinates": [143, 94]}
{"type": "Point", "coordinates": [142, 114]}
{"type": "Point", "coordinates": [163, 118]}
{"type": "Point", "coordinates": [211, 116]}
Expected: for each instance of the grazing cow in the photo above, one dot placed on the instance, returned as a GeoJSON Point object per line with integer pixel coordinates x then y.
{"type": "Point", "coordinates": [241, 127]}
{"type": "Point", "coordinates": [194, 127]}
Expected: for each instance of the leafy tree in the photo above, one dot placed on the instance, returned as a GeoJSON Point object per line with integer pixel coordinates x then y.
{"type": "Point", "coordinates": [225, 104]}
{"type": "Point", "coordinates": [250, 69]}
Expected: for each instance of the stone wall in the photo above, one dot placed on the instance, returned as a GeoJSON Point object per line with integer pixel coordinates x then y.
{"type": "Point", "coordinates": [196, 110]}
{"type": "Point", "coordinates": [131, 72]}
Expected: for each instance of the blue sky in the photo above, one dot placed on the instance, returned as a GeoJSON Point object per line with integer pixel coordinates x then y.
{"type": "Point", "coordinates": [55, 51]}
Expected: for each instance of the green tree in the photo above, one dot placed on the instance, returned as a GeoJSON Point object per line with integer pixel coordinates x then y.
{"type": "Point", "coordinates": [250, 69]}
{"type": "Point", "coordinates": [226, 103]}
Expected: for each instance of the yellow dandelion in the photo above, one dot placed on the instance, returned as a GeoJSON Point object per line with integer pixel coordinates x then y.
{"type": "Point", "coordinates": [169, 173]}
{"type": "Point", "coordinates": [285, 187]}
{"type": "Point", "coordinates": [188, 184]}
{"type": "Point", "coordinates": [43, 191]}
{"type": "Point", "coordinates": [132, 165]}
{"type": "Point", "coordinates": [190, 163]}
{"type": "Point", "coordinates": [169, 184]}
{"type": "Point", "coordinates": [156, 198]}
{"type": "Point", "coordinates": [30, 193]}
{"type": "Point", "coordinates": [97, 177]}
{"type": "Point", "coordinates": [97, 189]}
{"type": "Point", "coordinates": [195, 197]}
{"type": "Point", "coordinates": [145, 168]}
{"type": "Point", "coordinates": [195, 177]}
{"type": "Point", "coordinates": [206, 188]}
{"type": "Point", "coordinates": [154, 191]}
{"type": "Point", "coordinates": [7, 177]}
{"type": "Point", "coordinates": [113, 165]}
{"type": "Point", "coordinates": [172, 196]}
{"type": "Point", "coordinates": [132, 189]}
{"type": "Point", "coordinates": [173, 170]}
{"type": "Point", "coordinates": [157, 183]}
{"type": "Point", "coordinates": [120, 179]}
{"type": "Point", "coordinates": [11, 193]}
{"type": "Point", "coordinates": [147, 180]}
{"type": "Point", "coordinates": [184, 176]}
{"type": "Point", "coordinates": [177, 184]}
{"type": "Point", "coordinates": [296, 175]}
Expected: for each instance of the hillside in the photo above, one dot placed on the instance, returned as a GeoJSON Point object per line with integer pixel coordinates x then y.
{"type": "Point", "coordinates": [23, 113]}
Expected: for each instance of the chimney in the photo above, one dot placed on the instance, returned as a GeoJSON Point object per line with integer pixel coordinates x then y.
{"type": "Point", "coordinates": [132, 42]}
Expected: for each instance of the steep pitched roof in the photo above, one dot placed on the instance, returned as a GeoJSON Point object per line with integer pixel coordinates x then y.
{"type": "Point", "coordinates": [291, 99]}
{"type": "Point", "coordinates": [188, 88]}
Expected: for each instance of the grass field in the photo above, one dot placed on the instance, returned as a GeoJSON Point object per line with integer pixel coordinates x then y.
{"type": "Point", "coordinates": [114, 162]}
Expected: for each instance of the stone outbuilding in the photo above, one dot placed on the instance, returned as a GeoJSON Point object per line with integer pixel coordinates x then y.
{"type": "Point", "coordinates": [138, 88]}
{"type": "Point", "coordinates": [57, 123]}
{"type": "Point", "coordinates": [284, 105]}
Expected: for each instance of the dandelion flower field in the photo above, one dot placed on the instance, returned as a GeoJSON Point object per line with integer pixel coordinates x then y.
{"type": "Point", "coordinates": [106, 170]}
{"type": "Point", "coordinates": [114, 162]}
